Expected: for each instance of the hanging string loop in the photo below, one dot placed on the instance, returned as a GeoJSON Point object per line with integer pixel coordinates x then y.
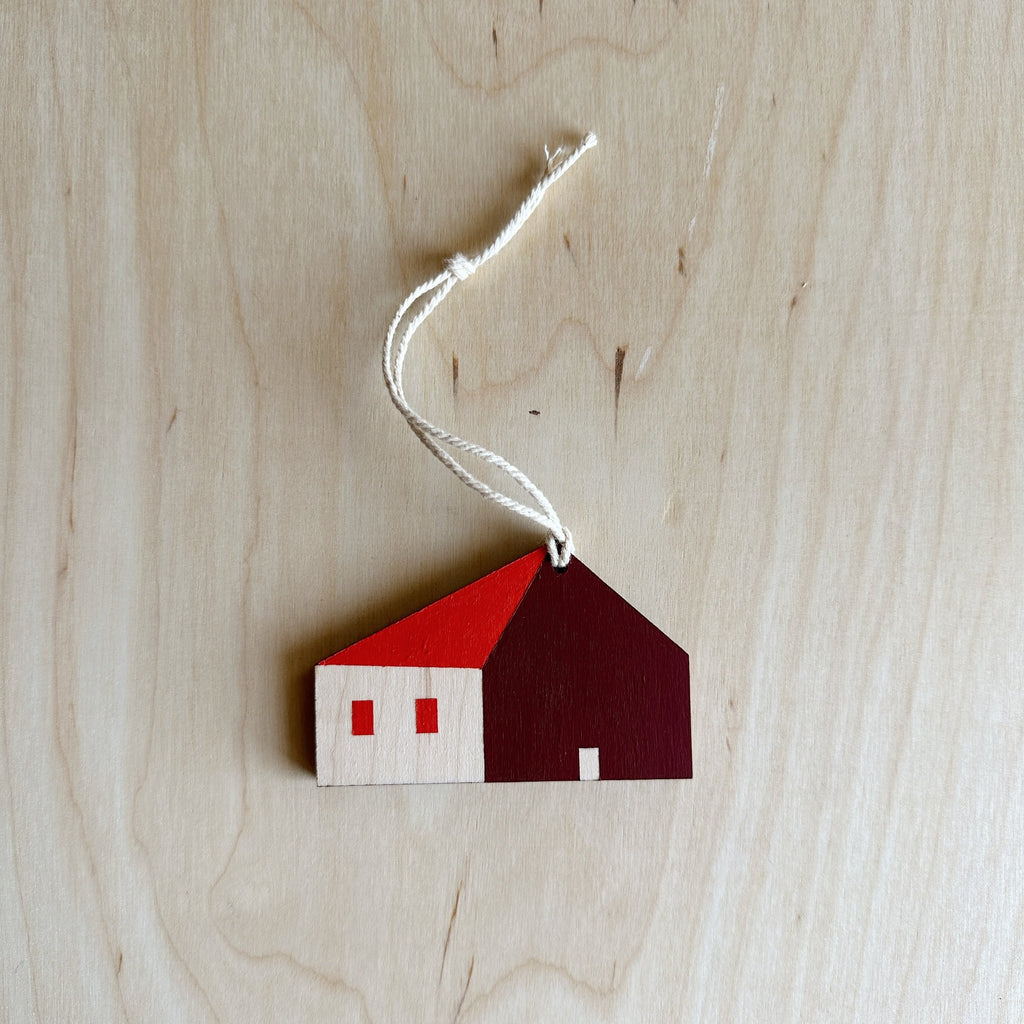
{"type": "Point", "coordinates": [430, 295]}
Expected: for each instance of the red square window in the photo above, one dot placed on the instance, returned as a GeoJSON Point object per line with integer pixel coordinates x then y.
{"type": "Point", "coordinates": [362, 718]}
{"type": "Point", "coordinates": [426, 714]}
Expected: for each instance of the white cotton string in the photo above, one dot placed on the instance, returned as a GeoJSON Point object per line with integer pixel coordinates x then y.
{"type": "Point", "coordinates": [435, 291]}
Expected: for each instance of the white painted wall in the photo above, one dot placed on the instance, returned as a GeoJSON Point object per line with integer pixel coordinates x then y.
{"type": "Point", "coordinates": [396, 753]}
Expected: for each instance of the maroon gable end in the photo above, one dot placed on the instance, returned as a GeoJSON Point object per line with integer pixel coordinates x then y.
{"type": "Point", "coordinates": [578, 667]}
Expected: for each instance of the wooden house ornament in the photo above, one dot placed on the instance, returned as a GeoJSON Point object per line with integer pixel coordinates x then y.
{"type": "Point", "coordinates": [529, 674]}
{"type": "Point", "coordinates": [537, 672]}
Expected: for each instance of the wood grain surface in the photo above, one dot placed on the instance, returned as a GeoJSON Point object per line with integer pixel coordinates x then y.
{"type": "Point", "coordinates": [762, 349]}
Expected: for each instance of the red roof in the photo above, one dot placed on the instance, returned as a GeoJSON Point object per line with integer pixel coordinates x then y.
{"type": "Point", "coordinates": [459, 631]}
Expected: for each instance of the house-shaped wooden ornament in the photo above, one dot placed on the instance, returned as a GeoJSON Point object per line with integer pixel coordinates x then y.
{"type": "Point", "coordinates": [528, 674]}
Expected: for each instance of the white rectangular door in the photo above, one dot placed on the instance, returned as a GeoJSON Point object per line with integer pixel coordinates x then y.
{"type": "Point", "coordinates": [590, 764]}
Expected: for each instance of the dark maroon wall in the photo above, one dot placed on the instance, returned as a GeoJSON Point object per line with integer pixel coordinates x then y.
{"type": "Point", "coordinates": [579, 667]}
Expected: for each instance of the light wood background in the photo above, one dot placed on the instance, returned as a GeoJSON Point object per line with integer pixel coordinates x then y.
{"type": "Point", "coordinates": [802, 230]}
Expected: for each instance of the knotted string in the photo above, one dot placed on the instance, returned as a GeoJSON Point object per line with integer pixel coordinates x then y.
{"type": "Point", "coordinates": [435, 291]}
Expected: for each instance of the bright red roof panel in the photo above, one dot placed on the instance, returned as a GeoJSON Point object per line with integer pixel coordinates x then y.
{"type": "Point", "coordinates": [458, 631]}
